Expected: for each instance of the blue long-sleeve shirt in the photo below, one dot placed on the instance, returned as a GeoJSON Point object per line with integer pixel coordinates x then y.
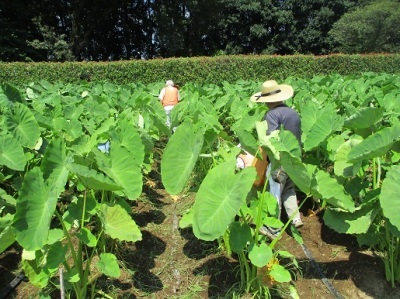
{"type": "Point", "coordinates": [285, 116]}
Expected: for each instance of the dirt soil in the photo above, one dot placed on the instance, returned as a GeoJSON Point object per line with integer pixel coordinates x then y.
{"type": "Point", "coordinates": [171, 263]}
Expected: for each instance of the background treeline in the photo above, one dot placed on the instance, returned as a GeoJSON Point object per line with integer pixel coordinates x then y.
{"type": "Point", "coordinates": [110, 30]}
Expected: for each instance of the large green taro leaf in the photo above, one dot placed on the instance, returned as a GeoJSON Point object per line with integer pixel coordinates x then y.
{"type": "Point", "coordinates": [325, 126]}
{"type": "Point", "coordinates": [73, 111]}
{"type": "Point", "coordinates": [375, 145]}
{"type": "Point", "coordinates": [105, 126]}
{"type": "Point", "coordinates": [342, 167]}
{"type": "Point", "coordinates": [357, 222]}
{"type": "Point", "coordinates": [310, 114]}
{"type": "Point", "coordinates": [180, 156]}
{"type": "Point", "coordinates": [73, 129]}
{"type": "Point", "coordinates": [11, 153]}
{"type": "Point", "coordinates": [34, 272]}
{"type": "Point", "coordinates": [265, 140]}
{"type": "Point", "coordinates": [364, 117]}
{"type": "Point", "coordinates": [287, 142]}
{"type": "Point", "coordinates": [34, 211]}
{"type": "Point", "coordinates": [129, 138]}
{"type": "Point", "coordinates": [391, 103]}
{"type": "Point", "coordinates": [329, 189]}
{"type": "Point", "coordinates": [54, 165]}
{"type": "Point", "coordinates": [21, 123]}
{"type": "Point", "coordinates": [239, 236]}
{"type": "Point", "coordinates": [93, 179]}
{"type": "Point", "coordinates": [297, 171]}
{"type": "Point", "coordinates": [7, 236]}
{"type": "Point", "coordinates": [122, 167]}
{"type": "Point", "coordinates": [219, 198]}
{"type": "Point", "coordinates": [97, 109]}
{"type": "Point", "coordinates": [118, 224]}
{"type": "Point", "coordinates": [84, 144]}
{"type": "Point", "coordinates": [247, 121]}
{"type": "Point", "coordinates": [390, 196]}
{"type": "Point", "coordinates": [56, 255]}
{"type": "Point", "coordinates": [278, 141]}
{"type": "Point", "coordinates": [247, 141]}
{"type": "Point", "coordinates": [12, 93]}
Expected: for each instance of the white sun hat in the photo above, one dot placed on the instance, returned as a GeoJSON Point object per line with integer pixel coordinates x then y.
{"type": "Point", "coordinates": [272, 92]}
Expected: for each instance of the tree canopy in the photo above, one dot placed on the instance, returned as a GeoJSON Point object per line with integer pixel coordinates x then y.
{"type": "Point", "coordinates": [371, 28]}
{"type": "Point", "coordinates": [104, 30]}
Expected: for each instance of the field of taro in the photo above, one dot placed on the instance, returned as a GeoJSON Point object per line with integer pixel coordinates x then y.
{"type": "Point", "coordinates": [78, 162]}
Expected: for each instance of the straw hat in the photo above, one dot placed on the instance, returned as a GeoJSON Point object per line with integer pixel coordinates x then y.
{"type": "Point", "coordinates": [272, 92]}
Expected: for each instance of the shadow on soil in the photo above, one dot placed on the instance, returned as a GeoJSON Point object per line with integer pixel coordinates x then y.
{"type": "Point", "coordinates": [195, 248]}
{"type": "Point", "coordinates": [222, 272]}
{"type": "Point", "coordinates": [222, 276]}
{"type": "Point", "coordinates": [142, 259]}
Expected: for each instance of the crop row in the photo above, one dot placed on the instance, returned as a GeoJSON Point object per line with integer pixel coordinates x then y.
{"type": "Point", "coordinates": [73, 157]}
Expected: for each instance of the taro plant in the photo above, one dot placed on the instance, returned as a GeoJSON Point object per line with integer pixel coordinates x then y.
{"type": "Point", "coordinates": [19, 150]}
{"type": "Point", "coordinates": [316, 176]}
{"type": "Point", "coordinates": [73, 237]}
{"type": "Point", "coordinates": [351, 125]}
{"type": "Point", "coordinates": [224, 208]}
{"type": "Point", "coordinates": [375, 221]}
{"type": "Point", "coordinates": [65, 200]}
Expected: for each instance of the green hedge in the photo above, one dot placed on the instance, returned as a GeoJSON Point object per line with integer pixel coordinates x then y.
{"type": "Point", "coordinates": [199, 69]}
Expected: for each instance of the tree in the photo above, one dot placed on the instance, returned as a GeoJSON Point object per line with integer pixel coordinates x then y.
{"type": "Point", "coordinates": [185, 28]}
{"type": "Point", "coordinates": [246, 27]}
{"type": "Point", "coordinates": [16, 27]}
{"type": "Point", "coordinates": [201, 34]}
{"type": "Point", "coordinates": [47, 30]}
{"type": "Point", "coordinates": [305, 26]}
{"type": "Point", "coordinates": [171, 25]}
{"type": "Point", "coordinates": [111, 30]}
{"type": "Point", "coordinates": [369, 29]}
{"type": "Point", "coordinates": [53, 44]}
{"type": "Point", "coordinates": [43, 30]}
{"type": "Point", "coordinates": [279, 26]}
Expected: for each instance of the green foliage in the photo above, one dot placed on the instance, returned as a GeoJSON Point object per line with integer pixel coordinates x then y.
{"type": "Point", "coordinates": [50, 147]}
{"type": "Point", "coordinates": [349, 163]}
{"type": "Point", "coordinates": [218, 200]}
{"type": "Point", "coordinates": [11, 153]}
{"type": "Point", "coordinates": [16, 28]}
{"type": "Point", "coordinates": [369, 29]}
{"type": "Point", "coordinates": [180, 156]}
{"type": "Point", "coordinates": [70, 193]}
{"type": "Point", "coordinates": [303, 25]}
{"type": "Point", "coordinates": [53, 44]}
{"type": "Point", "coordinates": [35, 208]}
{"type": "Point", "coordinates": [214, 70]}
{"type": "Point", "coordinates": [354, 168]}
{"type": "Point", "coordinates": [390, 189]}
{"type": "Point", "coordinates": [122, 30]}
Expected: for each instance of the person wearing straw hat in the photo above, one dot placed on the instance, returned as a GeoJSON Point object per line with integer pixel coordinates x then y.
{"type": "Point", "coordinates": [279, 114]}
{"type": "Point", "coordinates": [169, 97]}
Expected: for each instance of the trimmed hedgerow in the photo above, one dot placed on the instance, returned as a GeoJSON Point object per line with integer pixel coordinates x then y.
{"type": "Point", "coordinates": [200, 69]}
